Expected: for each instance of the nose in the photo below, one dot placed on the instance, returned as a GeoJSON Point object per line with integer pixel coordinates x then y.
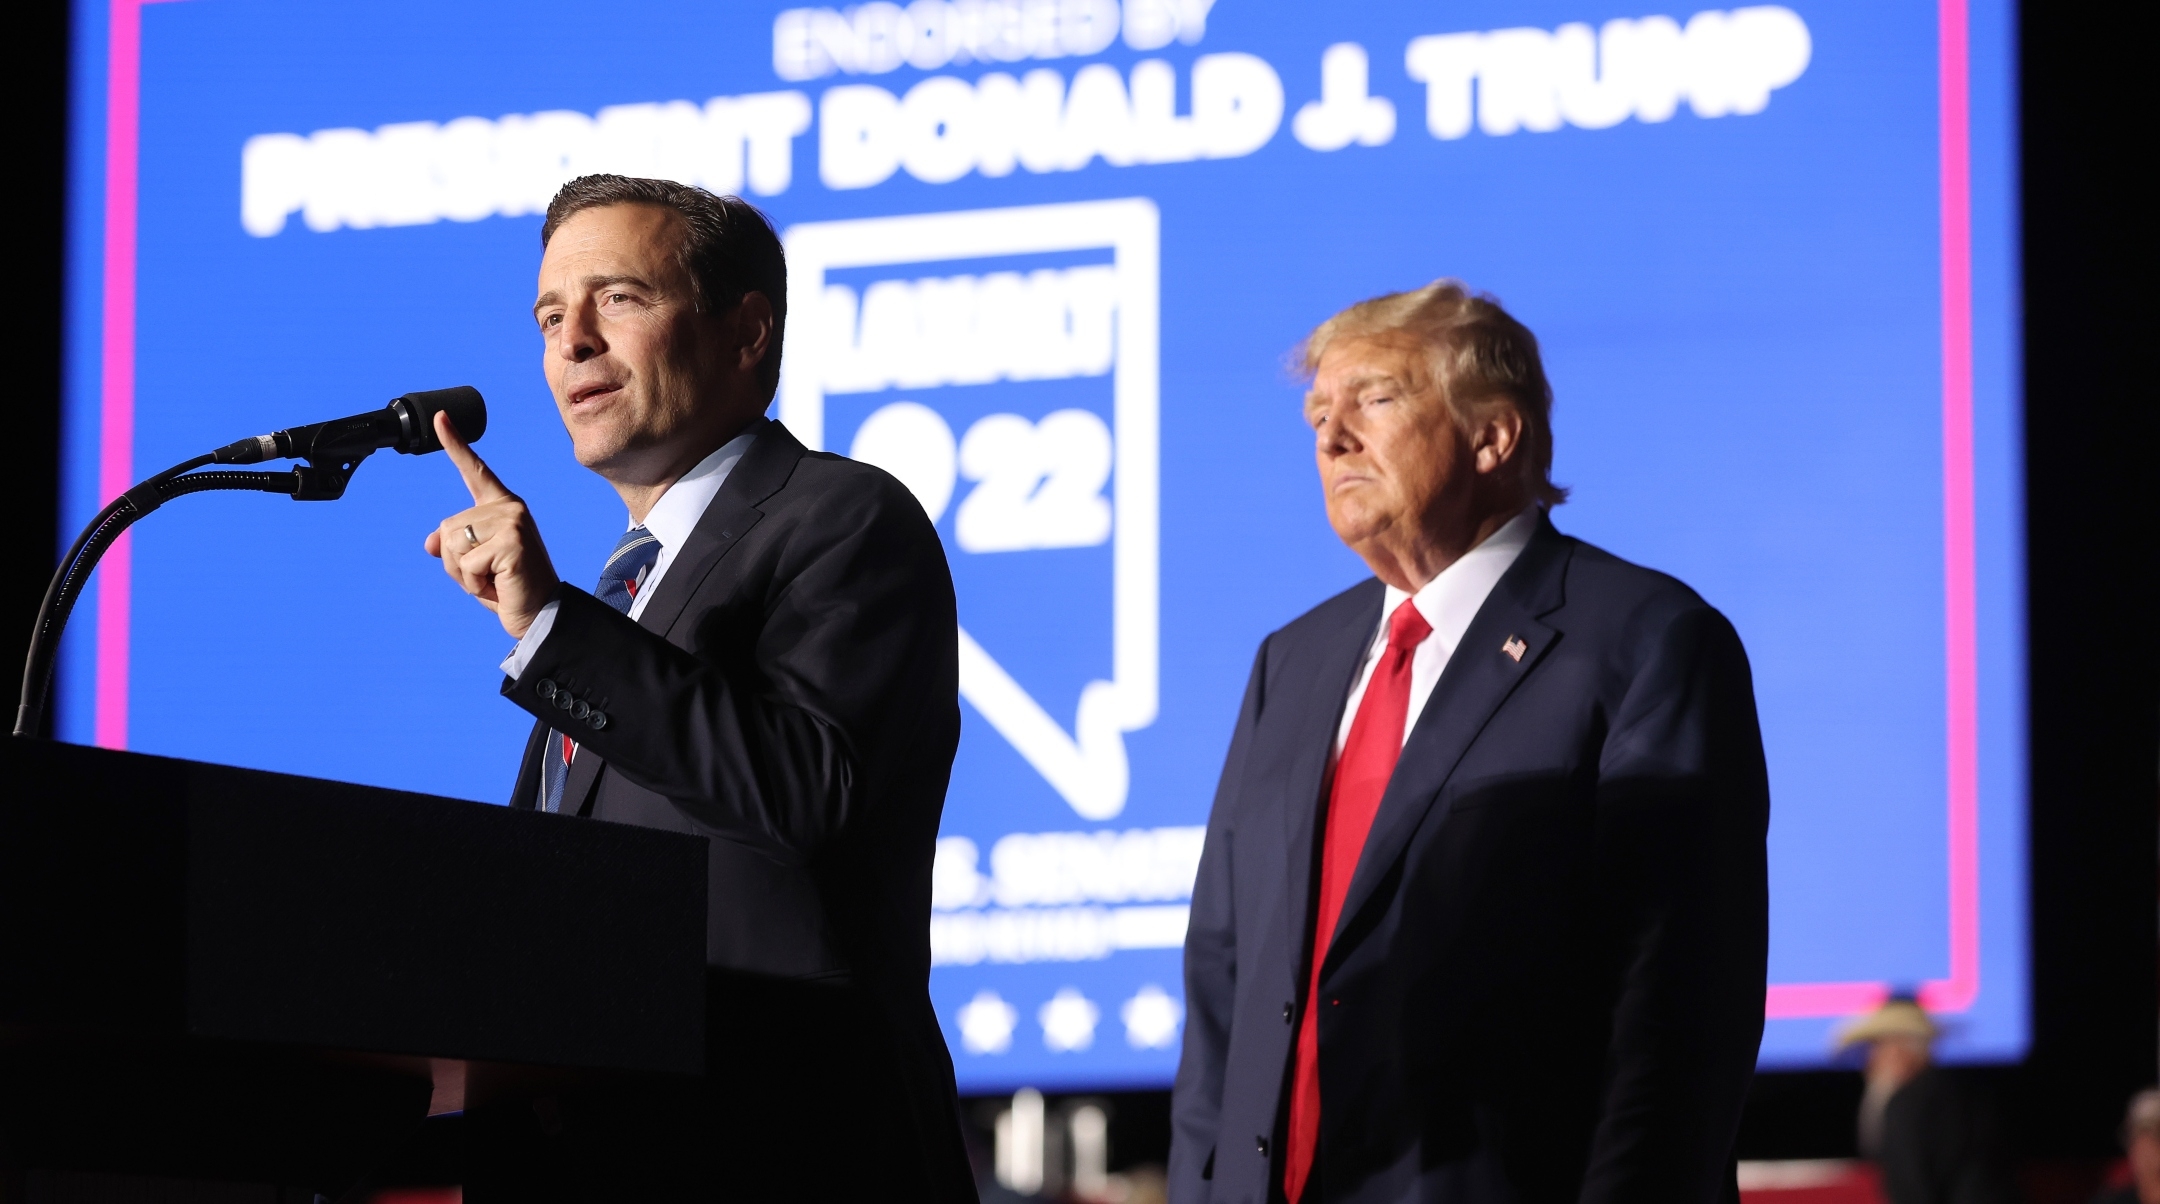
{"type": "Point", "coordinates": [578, 338]}
{"type": "Point", "coordinates": [1337, 433]}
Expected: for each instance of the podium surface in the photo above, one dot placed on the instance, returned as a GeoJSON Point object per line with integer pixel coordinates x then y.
{"type": "Point", "coordinates": [200, 963]}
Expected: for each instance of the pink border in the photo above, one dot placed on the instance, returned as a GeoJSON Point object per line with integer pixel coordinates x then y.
{"type": "Point", "coordinates": [1782, 1001]}
{"type": "Point", "coordinates": [116, 367]}
{"type": "Point", "coordinates": [116, 408]}
{"type": "Point", "coordinates": [1960, 605]}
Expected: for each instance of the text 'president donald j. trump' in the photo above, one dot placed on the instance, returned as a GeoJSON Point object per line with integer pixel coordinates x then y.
{"type": "Point", "coordinates": [1482, 915]}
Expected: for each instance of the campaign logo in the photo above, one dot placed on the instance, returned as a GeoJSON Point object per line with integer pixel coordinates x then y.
{"type": "Point", "coordinates": [928, 321]}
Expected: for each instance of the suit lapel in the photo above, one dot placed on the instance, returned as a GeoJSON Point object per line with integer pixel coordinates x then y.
{"type": "Point", "coordinates": [731, 514]}
{"type": "Point", "coordinates": [1306, 792]}
{"type": "Point", "coordinates": [1478, 678]}
{"type": "Point", "coordinates": [728, 517]}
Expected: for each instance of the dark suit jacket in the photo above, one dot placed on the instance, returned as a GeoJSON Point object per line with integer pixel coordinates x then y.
{"type": "Point", "coordinates": [1547, 982]}
{"type": "Point", "coordinates": [791, 694]}
{"type": "Point", "coordinates": [1942, 1144]}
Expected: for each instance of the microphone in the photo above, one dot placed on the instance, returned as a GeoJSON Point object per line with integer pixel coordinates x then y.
{"type": "Point", "coordinates": [407, 424]}
{"type": "Point", "coordinates": [332, 451]}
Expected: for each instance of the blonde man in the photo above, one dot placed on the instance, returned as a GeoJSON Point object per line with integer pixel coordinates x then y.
{"type": "Point", "coordinates": [1482, 914]}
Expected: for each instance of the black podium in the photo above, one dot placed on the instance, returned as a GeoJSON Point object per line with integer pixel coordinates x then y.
{"type": "Point", "coordinates": [218, 974]}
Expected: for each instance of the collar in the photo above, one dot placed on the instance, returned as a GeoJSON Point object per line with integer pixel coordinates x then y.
{"type": "Point", "coordinates": [1450, 600]}
{"type": "Point", "coordinates": [676, 514]}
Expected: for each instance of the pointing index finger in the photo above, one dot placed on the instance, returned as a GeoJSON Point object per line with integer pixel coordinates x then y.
{"type": "Point", "coordinates": [479, 479]}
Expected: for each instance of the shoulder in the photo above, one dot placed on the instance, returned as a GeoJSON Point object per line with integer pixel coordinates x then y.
{"type": "Point", "coordinates": [852, 524]}
{"type": "Point", "coordinates": [779, 474]}
{"type": "Point", "coordinates": [1356, 608]}
{"type": "Point", "coordinates": [836, 485]}
{"type": "Point", "coordinates": [1297, 654]}
{"type": "Point", "coordinates": [827, 499]}
{"type": "Point", "coordinates": [1930, 1093]}
{"type": "Point", "coordinates": [1628, 601]}
{"type": "Point", "coordinates": [1600, 578]}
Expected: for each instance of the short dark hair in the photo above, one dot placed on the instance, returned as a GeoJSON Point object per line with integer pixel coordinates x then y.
{"type": "Point", "coordinates": [729, 247]}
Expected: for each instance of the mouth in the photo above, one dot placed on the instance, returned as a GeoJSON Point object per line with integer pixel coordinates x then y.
{"type": "Point", "coordinates": [597, 391]}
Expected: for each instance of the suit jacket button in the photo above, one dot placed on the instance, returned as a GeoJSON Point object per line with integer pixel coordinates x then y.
{"type": "Point", "coordinates": [1261, 1144]}
{"type": "Point", "coordinates": [563, 700]}
{"type": "Point", "coordinates": [546, 688]}
{"type": "Point", "coordinates": [579, 709]}
{"type": "Point", "coordinates": [1288, 1011]}
{"type": "Point", "coordinates": [596, 720]}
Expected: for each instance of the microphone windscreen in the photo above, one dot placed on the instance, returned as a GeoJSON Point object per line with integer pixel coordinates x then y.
{"type": "Point", "coordinates": [468, 413]}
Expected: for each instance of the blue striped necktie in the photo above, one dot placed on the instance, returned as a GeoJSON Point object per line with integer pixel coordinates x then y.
{"type": "Point", "coordinates": [620, 579]}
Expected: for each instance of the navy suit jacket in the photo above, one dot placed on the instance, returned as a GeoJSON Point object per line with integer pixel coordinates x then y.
{"type": "Point", "coordinates": [790, 693]}
{"type": "Point", "coordinates": [1547, 980]}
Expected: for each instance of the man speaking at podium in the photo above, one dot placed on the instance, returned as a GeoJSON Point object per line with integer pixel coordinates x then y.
{"type": "Point", "coordinates": [1481, 916]}
{"type": "Point", "coordinates": [768, 661]}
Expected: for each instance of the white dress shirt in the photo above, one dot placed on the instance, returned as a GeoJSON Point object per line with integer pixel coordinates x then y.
{"type": "Point", "coordinates": [670, 520]}
{"type": "Point", "coordinates": [1448, 602]}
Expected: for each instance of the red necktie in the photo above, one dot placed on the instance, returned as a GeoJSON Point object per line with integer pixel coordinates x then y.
{"type": "Point", "coordinates": [1361, 778]}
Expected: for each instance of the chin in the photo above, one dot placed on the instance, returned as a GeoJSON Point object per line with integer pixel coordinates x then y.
{"type": "Point", "coordinates": [1356, 526]}
{"type": "Point", "coordinates": [594, 453]}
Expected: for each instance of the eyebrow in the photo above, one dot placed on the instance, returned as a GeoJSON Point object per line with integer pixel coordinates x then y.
{"type": "Point", "coordinates": [1358, 383]}
{"type": "Point", "coordinates": [1383, 379]}
{"type": "Point", "coordinates": [592, 284]}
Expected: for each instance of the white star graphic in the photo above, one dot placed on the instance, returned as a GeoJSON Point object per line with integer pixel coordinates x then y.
{"type": "Point", "coordinates": [986, 1023]}
{"type": "Point", "coordinates": [1068, 1021]}
{"type": "Point", "coordinates": [1151, 1018]}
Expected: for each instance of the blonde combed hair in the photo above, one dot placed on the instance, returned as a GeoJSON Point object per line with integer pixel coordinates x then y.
{"type": "Point", "coordinates": [1479, 356]}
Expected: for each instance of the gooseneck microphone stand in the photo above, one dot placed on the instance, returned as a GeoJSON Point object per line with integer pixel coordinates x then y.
{"type": "Point", "coordinates": [333, 451]}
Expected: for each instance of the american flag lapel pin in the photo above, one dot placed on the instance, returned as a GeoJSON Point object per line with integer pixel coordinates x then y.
{"type": "Point", "coordinates": [1515, 648]}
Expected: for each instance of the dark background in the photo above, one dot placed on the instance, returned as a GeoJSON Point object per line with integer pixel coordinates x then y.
{"type": "Point", "coordinates": [2093, 545]}
{"type": "Point", "coordinates": [2092, 548]}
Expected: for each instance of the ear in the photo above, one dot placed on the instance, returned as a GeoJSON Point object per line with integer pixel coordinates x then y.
{"type": "Point", "coordinates": [753, 330]}
{"type": "Point", "coordinates": [1495, 435]}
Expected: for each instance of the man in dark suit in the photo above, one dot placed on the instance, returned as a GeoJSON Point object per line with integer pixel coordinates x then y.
{"type": "Point", "coordinates": [1936, 1139]}
{"type": "Point", "coordinates": [1482, 915]}
{"type": "Point", "coordinates": [769, 662]}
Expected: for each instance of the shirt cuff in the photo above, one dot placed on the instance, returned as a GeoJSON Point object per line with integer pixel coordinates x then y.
{"type": "Point", "coordinates": [513, 665]}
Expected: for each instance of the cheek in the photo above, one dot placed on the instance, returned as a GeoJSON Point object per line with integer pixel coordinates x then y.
{"type": "Point", "coordinates": [1423, 459]}
{"type": "Point", "coordinates": [1392, 451]}
{"type": "Point", "coordinates": [555, 370]}
{"type": "Point", "coordinates": [677, 364]}
{"type": "Point", "coordinates": [626, 345]}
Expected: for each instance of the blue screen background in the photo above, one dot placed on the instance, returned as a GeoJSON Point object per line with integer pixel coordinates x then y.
{"type": "Point", "coordinates": [1741, 316]}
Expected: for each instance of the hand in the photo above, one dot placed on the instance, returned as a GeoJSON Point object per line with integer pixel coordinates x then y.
{"type": "Point", "coordinates": [502, 563]}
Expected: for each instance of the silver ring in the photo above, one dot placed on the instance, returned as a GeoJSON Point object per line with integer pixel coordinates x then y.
{"type": "Point", "coordinates": [470, 538]}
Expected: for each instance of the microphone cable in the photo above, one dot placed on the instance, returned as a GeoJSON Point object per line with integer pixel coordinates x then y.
{"type": "Point", "coordinates": [74, 570]}
{"type": "Point", "coordinates": [333, 451]}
